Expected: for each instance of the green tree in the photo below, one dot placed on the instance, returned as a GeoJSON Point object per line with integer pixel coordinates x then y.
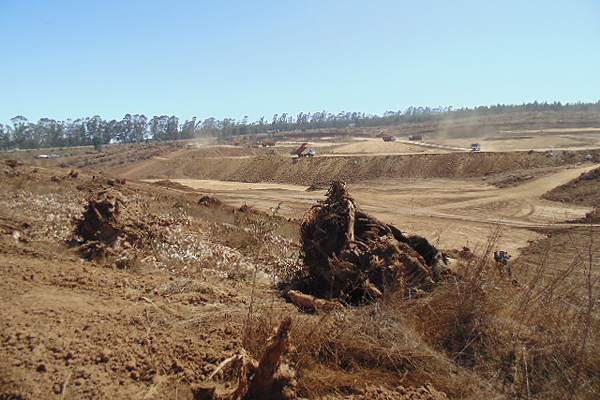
{"type": "Point", "coordinates": [140, 128]}
{"type": "Point", "coordinates": [126, 129]}
{"type": "Point", "coordinates": [20, 132]}
{"type": "Point", "coordinates": [94, 129]}
{"type": "Point", "coordinates": [158, 127]}
{"type": "Point", "coordinates": [5, 140]}
{"type": "Point", "coordinates": [188, 130]}
{"type": "Point", "coordinates": [50, 132]}
{"type": "Point", "coordinates": [173, 128]}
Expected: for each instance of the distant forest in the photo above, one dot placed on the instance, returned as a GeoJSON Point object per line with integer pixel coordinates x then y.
{"type": "Point", "coordinates": [95, 131]}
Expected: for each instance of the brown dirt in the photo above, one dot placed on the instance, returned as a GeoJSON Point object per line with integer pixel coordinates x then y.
{"type": "Point", "coordinates": [451, 212]}
{"type": "Point", "coordinates": [582, 190]}
{"type": "Point", "coordinates": [154, 317]}
{"type": "Point", "coordinates": [354, 169]}
{"type": "Point", "coordinates": [78, 329]}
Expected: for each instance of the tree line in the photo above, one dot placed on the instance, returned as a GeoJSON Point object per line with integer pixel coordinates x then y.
{"type": "Point", "coordinates": [95, 131]}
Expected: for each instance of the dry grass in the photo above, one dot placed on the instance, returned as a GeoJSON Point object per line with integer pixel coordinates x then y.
{"type": "Point", "coordinates": [486, 336]}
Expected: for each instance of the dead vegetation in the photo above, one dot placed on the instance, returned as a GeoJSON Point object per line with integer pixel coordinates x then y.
{"type": "Point", "coordinates": [268, 378]}
{"type": "Point", "coordinates": [485, 335]}
{"type": "Point", "coordinates": [352, 257]}
{"type": "Point", "coordinates": [111, 226]}
{"type": "Point", "coordinates": [479, 337]}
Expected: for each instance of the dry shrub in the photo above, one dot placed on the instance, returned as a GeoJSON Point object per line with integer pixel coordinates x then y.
{"type": "Point", "coordinates": [552, 335]}
{"type": "Point", "coordinates": [268, 377]}
{"type": "Point", "coordinates": [453, 320]}
{"type": "Point", "coordinates": [209, 201]}
{"type": "Point", "coordinates": [355, 258]}
{"type": "Point", "coordinates": [117, 230]}
{"type": "Point", "coordinates": [535, 339]}
{"type": "Point", "coordinates": [483, 336]}
{"type": "Point", "coordinates": [343, 351]}
{"type": "Point", "coordinates": [486, 335]}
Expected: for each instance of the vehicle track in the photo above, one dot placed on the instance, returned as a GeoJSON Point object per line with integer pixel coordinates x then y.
{"type": "Point", "coordinates": [456, 211]}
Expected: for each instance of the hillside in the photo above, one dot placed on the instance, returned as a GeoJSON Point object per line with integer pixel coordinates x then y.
{"type": "Point", "coordinates": [155, 319]}
{"type": "Point", "coordinates": [356, 168]}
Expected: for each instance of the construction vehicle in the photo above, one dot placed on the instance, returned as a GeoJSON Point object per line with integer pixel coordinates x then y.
{"type": "Point", "coordinates": [299, 152]}
{"type": "Point", "coordinates": [475, 147]}
{"type": "Point", "coordinates": [415, 137]}
{"type": "Point", "coordinates": [389, 138]}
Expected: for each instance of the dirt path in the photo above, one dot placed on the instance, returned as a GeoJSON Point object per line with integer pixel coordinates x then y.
{"type": "Point", "coordinates": [517, 206]}
{"type": "Point", "coordinates": [454, 213]}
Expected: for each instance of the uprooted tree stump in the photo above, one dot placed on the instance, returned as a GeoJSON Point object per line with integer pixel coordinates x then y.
{"type": "Point", "coordinates": [355, 258]}
{"type": "Point", "coordinates": [109, 226]}
{"type": "Point", "coordinates": [267, 379]}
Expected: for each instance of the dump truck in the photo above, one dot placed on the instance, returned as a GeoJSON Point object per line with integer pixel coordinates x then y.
{"type": "Point", "coordinates": [389, 138]}
{"type": "Point", "coordinates": [415, 137]}
{"type": "Point", "coordinates": [299, 152]}
{"type": "Point", "coordinates": [475, 147]}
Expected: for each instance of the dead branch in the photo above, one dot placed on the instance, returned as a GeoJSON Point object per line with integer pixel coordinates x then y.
{"type": "Point", "coordinates": [269, 379]}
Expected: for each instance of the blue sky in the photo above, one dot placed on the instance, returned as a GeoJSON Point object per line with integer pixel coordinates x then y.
{"type": "Point", "coordinates": [71, 59]}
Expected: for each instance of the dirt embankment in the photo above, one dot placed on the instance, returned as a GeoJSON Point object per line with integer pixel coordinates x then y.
{"type": "Point", "coordinates": [582, 190]}
{"type": "Point", "coordinates": [307, 171]}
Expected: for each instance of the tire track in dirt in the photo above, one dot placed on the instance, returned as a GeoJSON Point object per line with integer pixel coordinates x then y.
{"type": "Point", "coordinates": [523, 201]}
{"type": "Point", "coordinates": [456, 211]}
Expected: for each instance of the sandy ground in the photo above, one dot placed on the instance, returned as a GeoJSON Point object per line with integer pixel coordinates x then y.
{"type": "Point", "coordinates": [72, 329]}
{"type": "Point", "coordinates": [453, 213]}
{"type": "Point", "coordinates": [550, 139]}
{"type": "Point", "coordinates": [75, 329]}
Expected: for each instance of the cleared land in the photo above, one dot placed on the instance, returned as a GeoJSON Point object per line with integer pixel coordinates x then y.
{"type": "Point", "coordinates": [457, 198]}
{"type": "Point", "coordinates": [197, 283]}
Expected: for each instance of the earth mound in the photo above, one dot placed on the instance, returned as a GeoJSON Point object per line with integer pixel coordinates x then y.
{"type": "Point", "coordinates": [172, 185]}
{"type": "Point", "coordinates": [111, 226]}
{"type": "Point", "coordinates": [354, 258]}
{"type": "Point", "coordinates": [581, 190]}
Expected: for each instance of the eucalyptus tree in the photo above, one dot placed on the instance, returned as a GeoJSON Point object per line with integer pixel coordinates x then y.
{"type": "Point", "coordinates": [173, 128]}
{"type": "Point", "coordinates": [21, 132]}
{"type": "Point", "coordinates": [158, 127]}
{"type": "Point", "coordinates": [140, 128]}
{"type": "Point", "coordinates": [5, 139]}
{"type": "Point", "coordinates": [188, 129]}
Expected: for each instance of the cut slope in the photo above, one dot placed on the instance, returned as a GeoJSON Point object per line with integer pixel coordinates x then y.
{"type": "Point", "coordinates": [351, 169]}
{"type": "Point", "coordinates": [583, 190]}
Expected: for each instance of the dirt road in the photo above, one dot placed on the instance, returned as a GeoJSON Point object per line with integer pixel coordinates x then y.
{"type": "Point", "coordinates": [454, 213]}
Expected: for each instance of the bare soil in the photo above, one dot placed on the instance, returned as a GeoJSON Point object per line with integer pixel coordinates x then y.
{"type": "Point", "coordinates": [154, 320]}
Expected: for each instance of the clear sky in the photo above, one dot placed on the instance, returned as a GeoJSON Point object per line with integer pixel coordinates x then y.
{"type": "Point", "coordinates": [232, 58]}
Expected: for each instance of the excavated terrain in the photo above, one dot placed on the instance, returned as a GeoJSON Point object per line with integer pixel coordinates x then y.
{"type": "Point", "coordinates": [356, 168]}
{"type": "Point", "coordinates": [578, 190]}
{"type": "Point", "coordinates": [168, 271]}
{"type": "Point", "coordinates": [113, 289]}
